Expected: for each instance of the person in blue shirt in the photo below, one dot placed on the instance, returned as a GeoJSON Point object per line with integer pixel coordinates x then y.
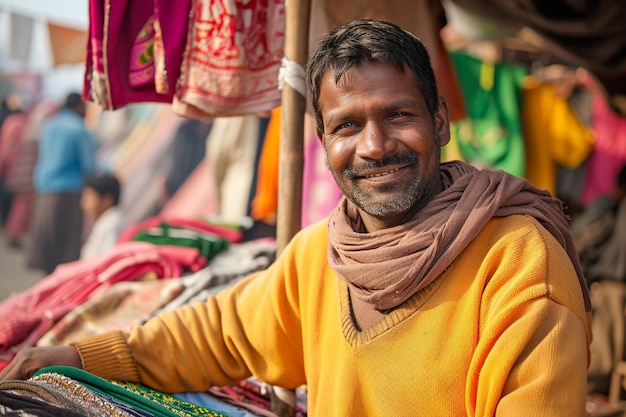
{"type": "Point", "coordinates": [66, 157]}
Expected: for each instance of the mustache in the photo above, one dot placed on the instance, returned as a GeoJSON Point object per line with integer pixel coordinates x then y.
{"type": "Point", "coordinates": [352, 172]}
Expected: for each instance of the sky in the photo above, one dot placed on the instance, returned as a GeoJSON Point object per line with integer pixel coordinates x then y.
{"type": "Point", "coordinates": [72, 13]}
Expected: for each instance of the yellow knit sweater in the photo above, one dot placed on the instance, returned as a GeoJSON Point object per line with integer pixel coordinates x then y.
{"type": "Point", "coordinates": [503, 332]}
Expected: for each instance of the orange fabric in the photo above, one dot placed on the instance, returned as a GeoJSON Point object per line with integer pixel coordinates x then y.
{"type": "Point", "coordinates": [68, 45]}
{"type": "Point", "coordinates": [553, 134]}
{"type": "Point", "coordinates": [265, 202]}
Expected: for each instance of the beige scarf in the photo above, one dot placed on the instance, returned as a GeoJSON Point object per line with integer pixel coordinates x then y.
{"type": "Point", "coordinates": [386, 267]}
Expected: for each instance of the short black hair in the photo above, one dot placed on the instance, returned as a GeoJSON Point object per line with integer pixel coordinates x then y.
{"type": "Point", "coordinates": [369, 40]}
{"type": "Point", "coordinates": [104, 184]}
{"type": "Point", "coordinates": [72, 100]}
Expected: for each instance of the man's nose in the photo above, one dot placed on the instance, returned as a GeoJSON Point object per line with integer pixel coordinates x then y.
{"type": "Point", "coordinates": [375, 141]}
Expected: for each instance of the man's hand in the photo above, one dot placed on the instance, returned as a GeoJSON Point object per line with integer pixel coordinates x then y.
{"type": "Point", "coordinates": [30, 359]}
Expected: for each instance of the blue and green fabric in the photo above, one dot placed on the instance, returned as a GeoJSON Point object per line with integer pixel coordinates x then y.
{"type": "Point", "coordinates": [134, 395]}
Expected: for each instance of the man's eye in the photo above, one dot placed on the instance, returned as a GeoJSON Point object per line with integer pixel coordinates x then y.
{"type": "Point", "coordinates": [397, 114]}
{"type": "Point", "coordinates": [346, 125]}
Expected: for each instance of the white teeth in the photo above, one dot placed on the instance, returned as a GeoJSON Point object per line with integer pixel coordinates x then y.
{"type": "Point", "coordinates": [382, 173]}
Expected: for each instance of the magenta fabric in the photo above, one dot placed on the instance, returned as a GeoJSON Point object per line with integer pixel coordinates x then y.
{"type": "Point", "coordinates": [601, 173]}
{"type": "Point", "coordinates": [94, 65]}
{"type": "Point", "coordinates": [114, 27]}
{"type": "Point", "coordinates": [320, 193]}
{"type": "Point", "coordinates": [609, 151]}
{"type": "Point", "coordinates": [172, 18]}
{"type": "Point", "coordinates": [609, 127]}
{"type": "Point", "coordinates": [27, 315]}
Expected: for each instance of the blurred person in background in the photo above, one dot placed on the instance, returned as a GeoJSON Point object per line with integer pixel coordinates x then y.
{"type": "Point", "coordinates": [67, 153]}
{"type": "Point", "coordinates": [19, 174]}
{"type": "Point", "coordinates": [99, 202]}
{"type": "Point", "coordinates": [12, 122]}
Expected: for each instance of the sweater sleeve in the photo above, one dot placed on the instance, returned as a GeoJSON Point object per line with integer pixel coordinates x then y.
{"type": "Point", "coordinates": [107, 356]}
{"type": "Point", "coordinates": [251, 328]}
{"type": "Point", "coordinates": [533, 349]}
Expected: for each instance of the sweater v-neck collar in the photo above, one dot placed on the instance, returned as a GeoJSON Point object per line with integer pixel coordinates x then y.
{"type": "Point", "coordinates": [357, 338]}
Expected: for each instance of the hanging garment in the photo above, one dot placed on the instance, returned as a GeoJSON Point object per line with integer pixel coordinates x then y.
{"type": "Point", "coordinates": [140, 164]}
{"type": "Point", "coordinates": [186, 151]}
{"type": "Point", "coordinates": [197, 196]}
{"type": "Point", "coordinates": [264, 205]}
{"type": "Point", "coordinates": [423, 18]}
{"type": "Point", "coordinates": [230, 154]}
{"type": "Point", "coordinates": [320, 192]}
{"type": "Point", "coordinates": [491, 135]}
{"type": "Point", "coordinates": [602, 168]}
{"type": "Point", "coordinates": [68, 45]}
{"type": "Point", "coordinates": [20, 37]}
{"type": "Point", "coordinates": [589, 33]}
{"type": "Point", "coordinates": [553, 134]}
{"type": "Point", "coordinates": [609, 151]}
{"type": "Point", "coordinates": [232, 58]}
{"type": "Point", "coordinates": [134, 51]}
{"type": "Point", "coordinates": [570, 181]}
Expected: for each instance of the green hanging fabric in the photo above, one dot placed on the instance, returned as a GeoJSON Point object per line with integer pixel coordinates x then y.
{"type": "Point", "coordinates": [491, 134]}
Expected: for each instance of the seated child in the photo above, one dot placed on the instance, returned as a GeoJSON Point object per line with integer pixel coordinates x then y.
{"type": "Point", "coordinates": [99, 201]}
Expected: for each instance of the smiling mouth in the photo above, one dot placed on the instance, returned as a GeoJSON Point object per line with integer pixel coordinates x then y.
{"type": "Point", "coordinates": [381, 174]}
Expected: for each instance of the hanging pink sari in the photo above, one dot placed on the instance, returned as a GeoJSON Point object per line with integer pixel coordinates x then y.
{"type": "Point", "coordinates": [135, 51]}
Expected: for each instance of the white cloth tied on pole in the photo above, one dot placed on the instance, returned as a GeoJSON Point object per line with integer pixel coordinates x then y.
{"type": "Point", "coordinates": [292, 73]}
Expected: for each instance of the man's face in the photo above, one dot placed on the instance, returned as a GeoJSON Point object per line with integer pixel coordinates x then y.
{"type": "Point", "coordinates": [382, 145]}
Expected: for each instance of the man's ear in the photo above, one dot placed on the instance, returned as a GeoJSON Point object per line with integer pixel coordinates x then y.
{"type": "Point", "coordinates": [442, 121]}
{"type": "Point", "coordinates": [320, 135]}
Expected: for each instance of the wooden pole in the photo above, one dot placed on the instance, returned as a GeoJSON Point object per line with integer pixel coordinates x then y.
{"type": "Point", "coordinates": [291, 157]}
{"type": "Point", "coordinates": [291, 151]}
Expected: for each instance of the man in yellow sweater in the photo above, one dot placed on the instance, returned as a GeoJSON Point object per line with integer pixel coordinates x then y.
{"type": "Point", "coordinates": [432, 290]}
